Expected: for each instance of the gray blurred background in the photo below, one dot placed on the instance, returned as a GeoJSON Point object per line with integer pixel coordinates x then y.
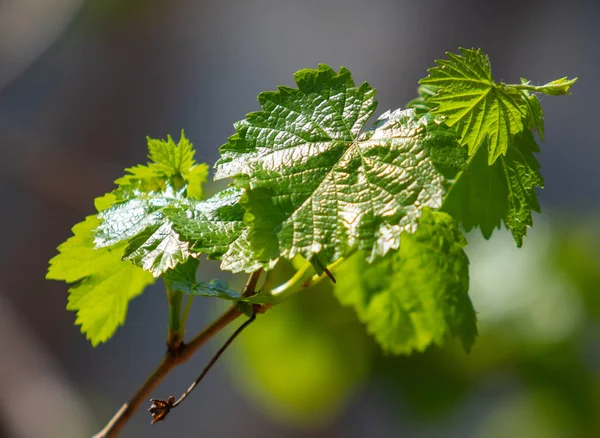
{"type": "Point", "coordinates": [82, 83]}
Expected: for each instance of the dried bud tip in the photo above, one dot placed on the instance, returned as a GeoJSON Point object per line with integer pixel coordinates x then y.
{"type": "Point", "coordinates": [160, 408]}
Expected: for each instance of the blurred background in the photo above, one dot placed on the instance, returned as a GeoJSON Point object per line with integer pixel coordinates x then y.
{"type": "Point", "coordinates": [83, 82]}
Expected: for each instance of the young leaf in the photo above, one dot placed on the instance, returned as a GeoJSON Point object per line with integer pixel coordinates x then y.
{"type": "Point", "coordinates": [171, 165]}
{"type": "Point", "coordinates": [316, 185]}
{"type": "Point", "coordinates": [558, 87]}
{"type": "Point", "coordinates": [103, 284]}
{"type": "Point", "coordinates": [183, 279]}
{"type": "Point", "coordinates": [480, 108]}
{"type": "Point", "coordinates": [144, 200]}
{"type": "Point", "coordinates": [131, 225]}
{"type": "Point", "coordinates": [416, 296]}
{"type": "Point", "coordinates": [479, 196]}
{"type": "Point", "coordinates": [522, 176]}
{"type": "Point", "coordinates": [485, 195]}
{"type": "Point", "coordinates": [535, 113]}
{"type": "Point", "coordinates": [143, 223]}
{"type": "Point", "coordinates": [422, 104]}
{"type": "Point", "coordinates": [499, 118]}
{"type": "Point", "coordinates": [216, 227]}
{"type": "Point", "coordinates": [164, 229]}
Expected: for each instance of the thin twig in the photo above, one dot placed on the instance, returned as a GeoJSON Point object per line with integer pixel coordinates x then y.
{"type": "Point", "coordinates": [168, 363]}
{"type": "Point", "coordinates": [171, 360]}
{"type": "Point", "coordinates": [160, 408]}
{"type": "Point", "coordinates": [214, 359]}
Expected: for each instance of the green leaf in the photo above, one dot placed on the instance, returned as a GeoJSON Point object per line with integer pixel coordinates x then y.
{"type": "Point", "coordinates": [416, 296]}
{"type": "Point", "coordinates": [422, 104]}
{"type": "Point", "coordinates": [535, 113]}
{"type": "Point", "coordinates": [171, 165]}
{"type": "Point", "coordinates": [196, 177]}
{"type": "Point", "coordinates": [214, 288]}
{"type": "Point", "coordinates": [146, 197]}
{"type": "Point", "coordinates": [317, 186]}
{"type": "Point", "coordinates": [484, 196]}
{"type": "Point", "coordinates": [481, 109]}
{"type": "Point", "coordinates": [164, 229]}
{"type": "Point", "coordinates": [103, 284]}
{"type": "Point", "coordinates": [479, 197]}
{"type": "Point", "coordinates": [522, 175]}
{"type": "Point", "coordinates": [169, 158]}
{"type": "Point", "coordinates": [132, 224]}
{"type": "Point", "coordinates": [143, 223]}
{"type": "Point", "coordinates": [558, 87]}
{"type": "Point", "coordinates": [183, 279]}
{"type": "Point", "coordinates": [216, 227]}
{"type": "Point", "coordinates": [474, 104]}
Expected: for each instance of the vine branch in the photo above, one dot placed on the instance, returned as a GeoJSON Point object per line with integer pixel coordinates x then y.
{"type": "Point", "coordinates": [171, 360]}
{"type": "Point", "coordinates": [161, 408]}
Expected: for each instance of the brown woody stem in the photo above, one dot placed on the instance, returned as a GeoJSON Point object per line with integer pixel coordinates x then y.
{"type": "Point", "coordinates": [171, 360]}
{"type": "Point", "coordinates": [161, 408]}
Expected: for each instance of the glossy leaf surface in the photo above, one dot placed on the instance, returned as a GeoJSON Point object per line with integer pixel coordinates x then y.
{"type": "Point", "coordinates": [317, 186]}
{"type": "Point", "coordinates": [482, 110]}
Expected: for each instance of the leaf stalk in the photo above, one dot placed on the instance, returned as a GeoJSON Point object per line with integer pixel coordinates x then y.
{"type": "Point", "coordinates": [176, 330]}
{"type": "Point", "coordinates": [186, 310]}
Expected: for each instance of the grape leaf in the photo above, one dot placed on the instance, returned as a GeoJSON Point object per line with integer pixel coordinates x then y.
{"type": "Point", "coordinates": [213, 288]}
{"type": "Point", "coordinates": [416, 296]}
{"type": "Point", "coordinates": [103, 284]}
{"type": "Point", "coordinates": [481, 109]}
{"type": "Point", "coordinates": [485, 195]}
{"type": "Point", "coordinates": [143, 222]}
{"type": "Point", "coordinates": [316, 185]}
{"type": "Point", "coordinates": [522, 175]}
{"type": "Point", "coordinates": [499, 118]}
{"type": "Point", "coordinates": [183, 279]}
{"type": "Point", "coordinates": [129, 226]}
{"type": "Point", "coordinates": [422, 103]}
{"type": "Point", "coordinates": [479, 197]}
{"type": "Point", "coordinates": [216, 227]}
{"type": "Point", "coordinates": [535, 113]}
{"type": "Point", "coordinates": [165, 229]}
{"type": "Point", "coordinates": [140, 213]}
{"type": "Point", "coordinates": [557, 87]}
{"type": "Point", "coordinates": [171, 165]}
{"type": "Point", "coordinates": [474, 104]}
